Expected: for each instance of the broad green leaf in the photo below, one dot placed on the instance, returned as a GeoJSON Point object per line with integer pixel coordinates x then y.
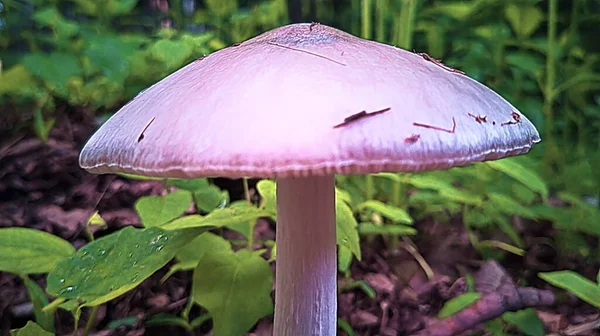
{"type": "Point", "coordinates": [507, 205]}
{"type": "Point", "coordinates": [457, 304]}
{"type": "Point", "coordinates": [119, 7]}
{"type": "Point", "coordinates": [15, 79]}
{"type": "Point", "coordinates": [527, 321]}
{"type": "Point", "coordinates": [30, 329]}
{"type": "Point", "coordinates": [235, 288]}
{"type": "Point", "coordinates": [577, 284]}
{"type": "Point", "coordinates": [527, 177]}
{"type": "Point", "coordinates": [524, 19]}
{"type": "Point", "coordinates": [193, 251]}
{"type": "Point", "coordinates": [397, 215]}
{"type": "Point", "coordinates": [189, 184]}
{"type": "Point", "coordinates": [56, 69]}
{"type": "Point", "coordinates": [51, 17]}
{"type": "Point", "coordinates": [346, 233]}
{"type": "Point", "coordinates": [159, 210]}
{"type": "Point", "coordinates": [210, 198]}
{"type": "Point", "coordinates": [393, 230]}
{"type": "Point", "coordinates": [267, 190]}
{"type": "Point", "coordinates": [29, 251]}
{"type": "Point", "coordinates": [240, 212]}
{"type": "Point", "coordinates": [114, 264]}
{"type": "Point", "coordinates": [39, 300]}
{"type": "Point", "coordinates": [172, 53]}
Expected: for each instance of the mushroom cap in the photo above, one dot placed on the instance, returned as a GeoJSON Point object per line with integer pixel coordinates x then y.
{"type": "Point", "coordinates": [305, 100]}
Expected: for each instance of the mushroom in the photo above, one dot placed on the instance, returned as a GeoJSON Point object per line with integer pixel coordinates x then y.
{"type": "Point", "coordinates": [300, 104]}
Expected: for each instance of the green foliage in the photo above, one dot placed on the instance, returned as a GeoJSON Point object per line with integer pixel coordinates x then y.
{"type": "Point", "coordinates": [112, 265]}
{"type": "Point", "coordinates": [39, 300]}
{"type": "Point", "coordinates": [457, 304]}
{"type": "Point", "coordinates": [526, 320]}
{"type": "Point", "coordinates": [30, 329]}
{"type": "Point", "coordinates": [584, 288]}
{"type": "Point", "coordinates": [28, 251]}
{"type": "Point", "coordinates": [235, 287]}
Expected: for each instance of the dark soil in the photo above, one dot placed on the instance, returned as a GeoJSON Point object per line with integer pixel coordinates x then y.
{"type": "Point", "coordinates": [42, 187]}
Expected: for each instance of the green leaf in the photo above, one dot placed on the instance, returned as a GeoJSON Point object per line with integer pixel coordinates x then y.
{"type": "Point", "coordinates": [172, 53]}
{"type": "Point", "coordinates": [524, 20]}
{"type": "Point", "coordinates": [210, 198]}
{"type": "Point", "coordinates": [119, 7]}
{"type": "Point", "coordinates": [346, 233]}
{"type": "Point", "coordinates": [580, 286]}
{"type": "Point", "coordinates": [193, 251]}
{"type": "Point", "coordinates": [527, 177]}
{"type": "Point", "coordinates": [189, 184]}
{"type": "Point", "coordinates": [30, 329]}
{"type": "Point", "coordinates": [114, 264]}
{"type": "Point", "coordinates": [235, 288]}
{"type": "Point", "coordinates": [29, 251]}
{"type": "Point", "coordinates": [159, 210]}
{"type": "Point", "coordinates": [39, 300]}
{"type": "Point", "coordinates": [52, 18]}
{"type": "Point", "coordinates": [56, 69]}
{"type": "Point", "coordinates": [395, 214]}
{"type": "Point", "coordinates": [267, 190]}
{"type": "Point", "coordinates": [392, 230]}
{"type": "Point", "coordinates": [507, 205]}
{"type": "Point", "coordinates": [15, 79]}
{"type": "Point", "coordinates": [344, 259]}
{"type": "Point", "coordinates": [457, 304]}
{"type": "Point", "coordinates": [527, 321]}
{"type": "Point", "coordinates": [240, 212]}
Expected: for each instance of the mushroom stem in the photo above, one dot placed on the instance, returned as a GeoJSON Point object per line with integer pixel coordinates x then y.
{"type": "Point", "coordinates": [306, 272]}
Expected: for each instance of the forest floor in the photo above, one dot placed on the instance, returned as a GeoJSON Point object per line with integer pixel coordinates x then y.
{"type": "Point", "coordinates": [42, 187]}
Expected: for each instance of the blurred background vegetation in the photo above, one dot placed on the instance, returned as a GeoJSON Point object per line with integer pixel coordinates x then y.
{"type": "Point", "coordinates": [68, 58]}
{"type": "Point", "coordinates": [93, 55]}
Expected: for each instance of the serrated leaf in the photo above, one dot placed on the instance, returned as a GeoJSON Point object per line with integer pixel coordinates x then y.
{"type": "Point", "coordinates": [39, 300]}
{"type": "Point", "coordinates": [30, 329]}
{"type": "Point", "coordinates": [393, 230]}
{"type": "Point", "coordinates": [29, 251]}
{"type": "Point", "coordinates": [235, 288]}
{"type": "Point", "coordinates": [159, 210]}
{"type": "Point", "coordinates": [457, 304]}
{"type": "Point", "coordinates": [524, 19]}
{"type": "Point", "coordinates": [527, 321]}
{"type": "Point", "coordinates": [346, 233]}
{"type": "Point", "coordinates": [527, 177]}
{"type": "Point", "coordinates": [395, 214]}
{"type": "Point", "coordinates": [575, 283]}
{"type": "Point", "coordinates": [114, 264]}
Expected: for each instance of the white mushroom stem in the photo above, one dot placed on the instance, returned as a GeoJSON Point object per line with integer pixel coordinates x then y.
{"type": "Point", "coordinates": [306, 270]}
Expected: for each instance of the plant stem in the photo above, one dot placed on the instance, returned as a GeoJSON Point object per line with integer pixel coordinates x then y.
{"type": "Point", "coordinates": [366, 19]}
{"type": "Point", "coordinates": [382, 9]}
{"type": "Point", "coordinates": [305, 273]}
{"type": "Point", "coordinates": [550, 79]}
{"type": "Point", "coordinates": [91, 320]}
{"type": "Point", "coordinates": [406, 26]}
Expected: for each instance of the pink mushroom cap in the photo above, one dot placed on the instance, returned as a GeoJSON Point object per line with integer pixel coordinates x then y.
{"type": "Point", "coordinates": [308, 100]}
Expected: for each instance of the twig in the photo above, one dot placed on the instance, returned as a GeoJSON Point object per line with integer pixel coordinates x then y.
{"type": "Point", "coordinates": [488, 307]}
{"type": "Point", "coordinates": [410, 248]}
